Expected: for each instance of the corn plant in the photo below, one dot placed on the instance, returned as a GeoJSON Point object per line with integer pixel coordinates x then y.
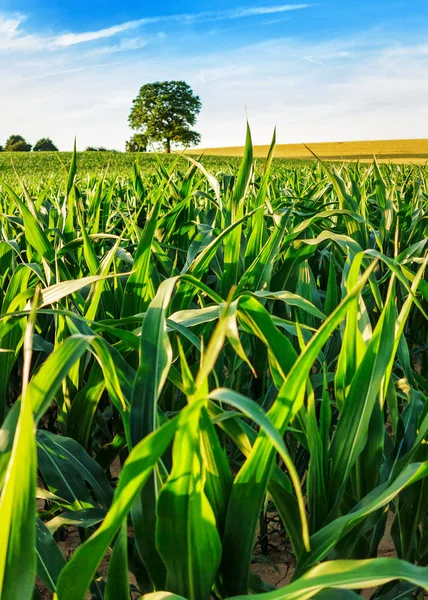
{"type": "Point", "coordinates": [230, 339]}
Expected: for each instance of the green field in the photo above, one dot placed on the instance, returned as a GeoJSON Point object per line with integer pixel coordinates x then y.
{"type": "Point", "coordinates": [53, 167]}
{"type": "Point", "coordinates": [190, 352]}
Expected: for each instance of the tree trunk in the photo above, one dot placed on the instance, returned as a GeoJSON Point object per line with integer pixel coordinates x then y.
{"type": "Point", "coordinates": [168, 146]}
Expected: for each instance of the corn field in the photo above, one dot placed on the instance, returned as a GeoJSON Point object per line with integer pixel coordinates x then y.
{"type": "Point", "coordinates": [182, 351]}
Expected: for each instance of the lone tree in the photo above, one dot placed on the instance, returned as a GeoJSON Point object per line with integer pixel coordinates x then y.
{"type": "Point", "coordinates": [16, 143]}
{"type": "Point", "coordinates": [45, 145]}
{"type": "Point", "coordinates": [138, 143]}
{"type": "Point", "coordinates": [165, 111]}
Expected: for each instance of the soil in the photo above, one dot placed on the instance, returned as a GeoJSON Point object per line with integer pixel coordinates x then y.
{"type": "Point", "coordinates": [68, 547]}
{"type": "Point", "coordinates": [278, 570]}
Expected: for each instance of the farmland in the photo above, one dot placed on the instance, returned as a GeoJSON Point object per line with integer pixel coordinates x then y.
{"type": "Point", "coordinates": [202, 348]}
{"type": "Point", "coordinates": [400, 151]}
{"type": "Point", "coordinates": [52, 167]}
{"type": "Point", "coordinates": [43, 167]}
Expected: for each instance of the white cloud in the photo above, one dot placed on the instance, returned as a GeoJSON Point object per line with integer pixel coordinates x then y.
{"type": "Point", "coordinates": [125, 45]}
{"type": "Point", "coordinates": [9, 27]}
{"type": "Point", "coordinates": [310, 59]}
{"type": "Point", "coordinates": [263, 10]}
{"type": "Point", "coordinates": [70, 39]}
{"type": "Point", "coordinates": [367, 87]}
{"type": "Point", "coordinates": [56, 74]}
{"type": "Point", "coordinates": [359, 93]}
{"type": "Point", "coordinates": [225, 72]}
{"type": "Point", "coordinates": [234, 13]}
{"type": "Point", "coordinates": [13, 37]}
{"type": "Point", "coordinates": [399, 50]}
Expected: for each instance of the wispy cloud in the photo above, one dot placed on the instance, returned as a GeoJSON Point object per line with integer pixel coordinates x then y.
{"type": "Point", "coordinates": [14, 37]}
{"type": "Point", "coordinates": [221, 73]}
{"type": "Point", "coordinates": [55, 74]}
{"type": "Point", "coordinates": [400, 50]}
{"type": "Point", "coordinates": [9, 27]}
{"type": "Point", "coordinates": [70, 39]}
{"type": "Point", "coordinates": [310, 59]}
{"type": "Point", "coordinates": [372, 83]}
{"type": "Point", "coordinates": [125, 45]}
{"type": "Point", "coordinates": [262, 10]}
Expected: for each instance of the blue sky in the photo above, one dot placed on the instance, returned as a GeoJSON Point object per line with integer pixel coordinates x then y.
{"type": "Point", "coordinates": [319, 71]}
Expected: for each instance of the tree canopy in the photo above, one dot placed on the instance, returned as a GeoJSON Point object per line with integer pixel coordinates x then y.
{"type": "Point", "coordinates": [45, 145]}
{"type": "Point", "coordinates": [16, 143]}
{"type": "Point", "coordinates": [164, 112]}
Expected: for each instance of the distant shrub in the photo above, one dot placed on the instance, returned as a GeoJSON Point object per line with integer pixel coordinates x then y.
{"type": "Point", "coordinates": [98, 149]}
{"type": "Point", "coordinates": [45, 145]}
{"type": "Point", "coordinates": [16, 143]}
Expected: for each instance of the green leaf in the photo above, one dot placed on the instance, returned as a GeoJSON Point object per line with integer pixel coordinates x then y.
{"type": "Point", "coordinates": [184, 543]}
{"type": "Point", "coordinates": [352, 574]}
{"type": "Point", "coordinates": [50, 559]}
{"type": "Point", "coordinates": [78, 573]}
{"type": "Point", "coordinates": [351, 432]}
{"type": "Point", "coordinates": [87, 517]}
{"type": "Point", "coordinates": [254, 412]}
{"type": "Point", "coordinates": [139, 289]}
{"type": "Point", "coordinates": [17, 500]}
{"type": "Point", "coordinates": [66, 467]}
{"type": "Point", "coordinates": [232, 246]}
{"type": "Point", "coordinates": [324, 540]}
{"type": "Point", "coordinates": [256, 470]}
{"type": "Point", "coordinates": [34, 234]}
{"type": "Point", "coordinates": [117, 587]}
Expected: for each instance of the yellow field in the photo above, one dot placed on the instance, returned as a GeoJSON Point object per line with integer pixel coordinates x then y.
{"type": "Point", "coordinates": [390, 150]}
